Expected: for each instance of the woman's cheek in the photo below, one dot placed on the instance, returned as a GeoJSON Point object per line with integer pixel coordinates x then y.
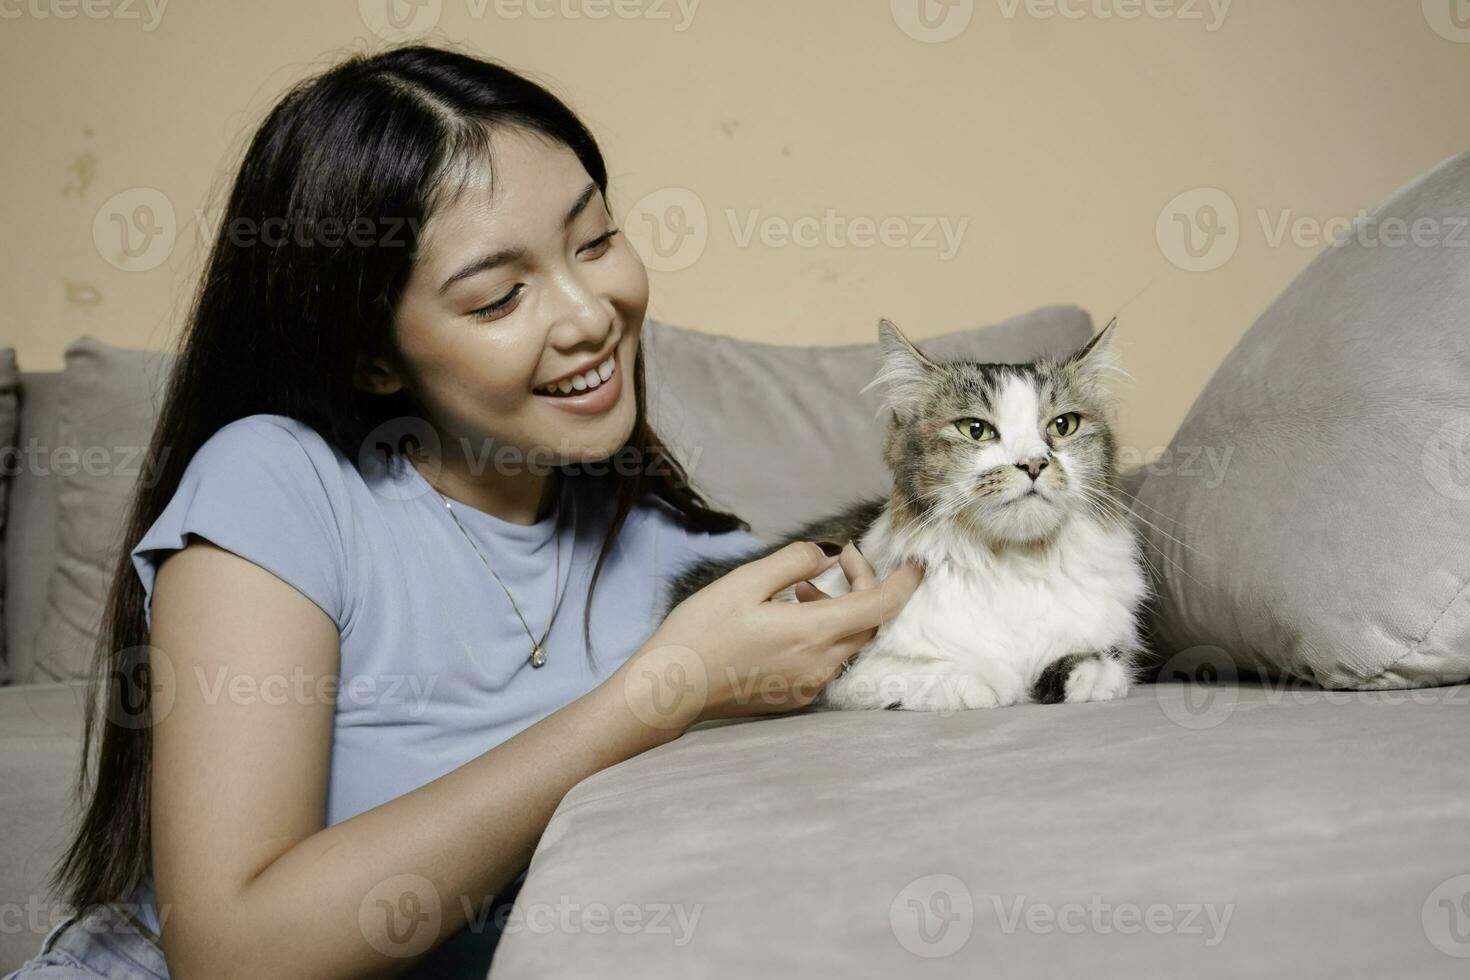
{"type": "Point", "coordinates": [629, 281]}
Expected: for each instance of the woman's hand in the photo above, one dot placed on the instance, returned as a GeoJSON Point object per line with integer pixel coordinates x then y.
{"type": "Point", "coordinates": [860, 575]}
{"type": "Point", "coordinates": [729, 650]}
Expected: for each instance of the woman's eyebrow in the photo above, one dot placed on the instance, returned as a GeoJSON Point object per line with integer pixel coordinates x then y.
{"type": "Point", "coordinates": [579, 205]}
{"type": "Point", "coordinates": [484, 264]}
{"type": "Point", "coordinates": [504, 255]}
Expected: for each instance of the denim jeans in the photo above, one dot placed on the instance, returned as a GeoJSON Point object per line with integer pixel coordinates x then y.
{"type": "Point", "coordinates": [107, 942]}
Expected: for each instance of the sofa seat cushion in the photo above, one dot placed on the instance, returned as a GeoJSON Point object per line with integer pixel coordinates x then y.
{"type": "Point", "coordinates": [1227, 831]}
{"type": "Point", "coordinates": [40, 750]}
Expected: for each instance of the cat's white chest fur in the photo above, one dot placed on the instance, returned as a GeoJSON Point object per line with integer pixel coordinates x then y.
{"type": "Point", "coordinates": [985, 623]}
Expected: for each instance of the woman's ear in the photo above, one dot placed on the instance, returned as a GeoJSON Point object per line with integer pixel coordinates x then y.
{"type": "Point", "coordinates": [376, 376]}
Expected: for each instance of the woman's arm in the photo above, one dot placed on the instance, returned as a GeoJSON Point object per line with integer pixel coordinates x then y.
{"type": "Point", "coordinates": [249, 881]}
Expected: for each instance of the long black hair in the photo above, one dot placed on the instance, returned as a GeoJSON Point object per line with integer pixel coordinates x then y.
{"type": "Point", "coordinates": [279, 325]}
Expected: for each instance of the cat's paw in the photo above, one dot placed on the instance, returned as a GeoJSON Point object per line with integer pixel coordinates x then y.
{"type": "Point", "coordinates": [949, 692]}
{"type": "Point", "coordinates": [1080, 677]}
{"type": "Point", "coordinates": [907, 688]}
{"type": "Point", "coordinates": [1098, 679]}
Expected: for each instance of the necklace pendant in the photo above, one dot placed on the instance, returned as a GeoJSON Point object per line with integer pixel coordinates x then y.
{"type": "Point", "coordinates": [538, 656]}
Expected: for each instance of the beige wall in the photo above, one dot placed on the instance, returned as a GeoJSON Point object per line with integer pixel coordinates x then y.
{"type": "Point", "coordinates": [1051, 139]}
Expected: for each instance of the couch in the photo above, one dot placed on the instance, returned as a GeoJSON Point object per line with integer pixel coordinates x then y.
{"type": "Point", "coordinates": [1223, 821]}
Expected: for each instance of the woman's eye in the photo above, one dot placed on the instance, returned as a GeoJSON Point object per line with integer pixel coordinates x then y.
{"type": "Point", "coordinates": [977, 429]}
{"type": "Point", "coordinates": [1065, 424]}
{"type": "Point", "coordinates": [599, 245]}
{"type": "Point", "coordinates": [501, 306]}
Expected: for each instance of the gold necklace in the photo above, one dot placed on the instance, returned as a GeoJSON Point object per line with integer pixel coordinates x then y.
{"type": "Point", "coordinates": [538, 649]}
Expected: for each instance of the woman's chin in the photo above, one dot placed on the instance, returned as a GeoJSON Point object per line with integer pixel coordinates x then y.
{"type": "Point", "coordinates": [599, 440]}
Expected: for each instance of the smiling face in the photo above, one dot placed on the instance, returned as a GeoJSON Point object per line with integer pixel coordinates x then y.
{"type": "Point", "coordinates": [521, 281]}
{"type": "Point", "coordinates": [1009, 450]}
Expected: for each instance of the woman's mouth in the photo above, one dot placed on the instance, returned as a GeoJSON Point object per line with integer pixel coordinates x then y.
{"type": "Point", "coordinates": [589, 393]}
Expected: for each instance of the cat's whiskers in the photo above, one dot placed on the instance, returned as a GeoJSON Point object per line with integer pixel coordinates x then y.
{"type": "Point", "coordinates": [1143, 552]}
{"type": "Point", "coordinates": [1134, 498]}
{"type": "Point", "coordinates": [1150, 524]}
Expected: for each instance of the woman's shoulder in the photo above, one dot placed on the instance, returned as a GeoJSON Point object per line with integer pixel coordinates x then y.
{"type": "Point", "coordinates": [272, 490]}
{"type": "Point", "coordinates": [268, 434]}
{"type": "Point", "coordinates": [280, 448]}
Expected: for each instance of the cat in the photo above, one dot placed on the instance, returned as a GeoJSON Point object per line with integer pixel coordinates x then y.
{"type": "Point", "coordinates": [1005, 491]}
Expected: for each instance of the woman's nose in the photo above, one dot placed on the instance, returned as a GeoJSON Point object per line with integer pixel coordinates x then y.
{"type": "Point", "coordinates": [580, 307]}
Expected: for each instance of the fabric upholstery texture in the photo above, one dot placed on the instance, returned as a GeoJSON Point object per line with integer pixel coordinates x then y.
{"type": "Point", "coordinates": [1185, 831]}
{"type": "Point", "coordinates": [9, 429]}
{"type": "Point", "coordinates": [1329, 536]}
{"type": "Point", "coordinates": [109, 400]}
{"type": "Point", "coordinates": [30, 524]}
{"type": "Point", "coordinates": [40, 746]}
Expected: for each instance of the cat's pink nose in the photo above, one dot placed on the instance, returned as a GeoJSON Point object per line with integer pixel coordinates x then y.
{"type": "Point", "coordinates": [1032, 466]}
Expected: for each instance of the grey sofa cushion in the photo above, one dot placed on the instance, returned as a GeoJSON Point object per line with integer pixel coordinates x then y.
{"type": "Point", "coordinates": [777, 434]}
{"type": "Point", "coordinates": [109, 401]}
{"type": "Point", "coordinates": [1184, 831]}
{"type": "Point", "coordinates": [1333, 540]}
{"type": "Point", "coordinates": [9, 428]}
{"type": "Point", "coordinates": [30, 521]}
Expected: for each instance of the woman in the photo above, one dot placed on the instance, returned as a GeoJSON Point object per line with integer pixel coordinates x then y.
{"type": "Point", "coordinates": [406, 427]}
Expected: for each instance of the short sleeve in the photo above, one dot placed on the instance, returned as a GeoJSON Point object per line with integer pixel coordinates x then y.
{"type": "Point", "coordinates": [259, 487]}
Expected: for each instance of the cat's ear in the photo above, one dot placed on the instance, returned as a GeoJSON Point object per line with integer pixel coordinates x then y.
{"type": "Point", "coordinates": [1099, 356]}
{"type": "Point", "coordinates": [902, 371]}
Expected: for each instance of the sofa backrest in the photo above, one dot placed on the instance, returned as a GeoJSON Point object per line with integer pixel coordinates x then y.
{"type": "Point", "coordinates": [30, 531]}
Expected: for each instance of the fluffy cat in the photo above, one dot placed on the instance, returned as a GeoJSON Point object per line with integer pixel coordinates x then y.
{"type": "Point", "coordinates": [1004, 489]}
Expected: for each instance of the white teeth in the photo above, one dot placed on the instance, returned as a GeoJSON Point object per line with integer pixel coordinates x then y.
{"type": "Point", "coordinates": [582, 382]}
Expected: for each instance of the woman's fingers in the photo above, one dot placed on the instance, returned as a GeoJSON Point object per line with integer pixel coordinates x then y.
{"type": "Point", "coordinates": [764, 577]}
{"type": "Point", "coordinates": [846, 647]}
{"type": "Point", "coordinates": [868, 609]}
{"type": "Point", "coordinates": [807, 592]}
{"type": "Point", "coordinates": [860, 574]}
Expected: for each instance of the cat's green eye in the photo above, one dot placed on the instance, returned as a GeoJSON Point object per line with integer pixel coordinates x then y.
{"type": "Point", "coordinates": [977, 429]}
{"type": "Point", "coordinates": [1065, 424]}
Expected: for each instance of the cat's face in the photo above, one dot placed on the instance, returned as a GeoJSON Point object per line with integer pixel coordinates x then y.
{"type": "Point", "coordinates": [1008, 451]}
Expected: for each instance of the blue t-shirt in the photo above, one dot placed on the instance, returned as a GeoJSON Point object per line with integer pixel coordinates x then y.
{"type": "Point", "coordinates": [435, 665]}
